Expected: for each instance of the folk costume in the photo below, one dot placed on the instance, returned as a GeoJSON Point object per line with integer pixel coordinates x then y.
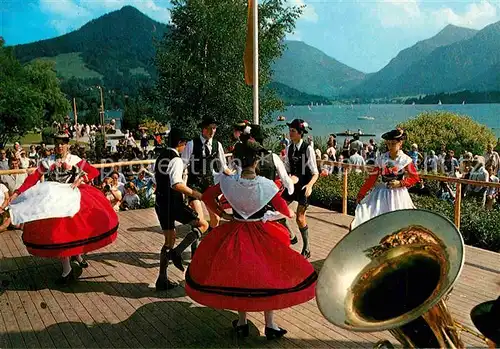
{"type": "Point", "coordinates": [271, 167]}
{"type": "Point", "coordinates": [383, 199]}
{"type": "Point", "coordinates": [240, 128]}
{"type": "Point", "coordinates": [300, 161]}
{"type": "Point", "coordinates": [246, 264]}
{"type": "Point", "coordinates": [204, 159]}
{"type": "Point", "coordinates": [170, 206]}
{"type": "Point", "coordinates": [60, 221]}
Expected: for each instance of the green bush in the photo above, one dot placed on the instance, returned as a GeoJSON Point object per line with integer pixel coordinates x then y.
{"type": "Point", "coordinates": [145, 201]}
{"type": "Point", "coordinates": [460, 133]}
{"type": "Point", "coordinates": [479, 227]}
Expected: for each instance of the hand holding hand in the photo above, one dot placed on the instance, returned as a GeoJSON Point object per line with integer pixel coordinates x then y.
{"type": "Point", "coordinates": [76, 183]}
{"type": "Point", "coordinates": [13, 197]}
{"type": "Point", "coordinates": [294, 179]}
{"type": "Point", "coordinates": [394, 184]}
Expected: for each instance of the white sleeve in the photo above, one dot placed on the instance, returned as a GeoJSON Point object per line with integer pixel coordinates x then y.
{"type": "Point", "coordinates": [282, 173]}
{"type": "Point", "coordinates": [311, 160]}
{"type": "Point", "coordinates": [186, 154]}
{"type": "Point", "coordinates": [3, 188]}
{"type": "Point", "coordinates": [222, 157]}
{"type": "Point", "coordinates": [285, 159]}
{"type": "Point", "coordinates": [175, 170]}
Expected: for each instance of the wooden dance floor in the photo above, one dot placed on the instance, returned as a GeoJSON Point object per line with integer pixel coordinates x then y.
{"type": "Point", "coordinates": [115, 305]}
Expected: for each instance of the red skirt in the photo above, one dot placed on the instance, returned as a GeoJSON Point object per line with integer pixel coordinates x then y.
{"type": "Point", "coordinates": [249, 266]}
{"type": "Point", "coordinates": [92, 228]}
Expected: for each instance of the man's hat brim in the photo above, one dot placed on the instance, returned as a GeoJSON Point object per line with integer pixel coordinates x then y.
{"type": "Point", "coordinates": [175, 136]}
{"type": "Point", "coordinates": [297, 124]}
{"type": "Point", "coordinates": [61, 136]}
{"type": "Point", "coordinates": [486, 321]}
{"type": "Point", "coordinates": [209, 121]}
{"type": "Point", "coordinates": [394, 135]}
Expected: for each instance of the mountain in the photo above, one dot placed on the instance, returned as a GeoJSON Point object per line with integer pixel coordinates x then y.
{"type": "Point", "coordinates": [291, 96]}
{"type": "Point", "coordinates": [310, 70]}
{"type": "Point", "coordinates": [119, 47]}
{"type": "Point", "coordinates": [487, 81]}
{"type": "Point", "coordinates": [380, 83]}
{"type": "Point", "coordinates": [116, 47]}
{"type": "Point", "coordinates": [450, 68]}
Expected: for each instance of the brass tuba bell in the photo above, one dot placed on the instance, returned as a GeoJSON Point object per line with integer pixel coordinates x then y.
{"type": "Point", "coordinates": [393, 273]}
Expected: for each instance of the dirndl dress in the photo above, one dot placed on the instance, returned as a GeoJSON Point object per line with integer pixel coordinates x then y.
{"type": "Point", "coordinates": [59, 221]}
{"type": "Point", "coordinates": [247, 264]}
{"type": "Point", "coordinates": [383, 199]}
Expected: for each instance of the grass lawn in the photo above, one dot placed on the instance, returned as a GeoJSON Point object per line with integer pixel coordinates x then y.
{"type": "Point", "coordinates": [31, 138]}
{"type": "Point", "coordinates": [36, 138]}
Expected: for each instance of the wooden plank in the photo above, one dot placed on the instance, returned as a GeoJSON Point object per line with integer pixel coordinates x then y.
{"type": "Point", "coordinates": [115, 304]}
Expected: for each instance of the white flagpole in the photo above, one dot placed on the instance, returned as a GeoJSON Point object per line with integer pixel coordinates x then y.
{"type": "Point", "coordinates": [256, 62]}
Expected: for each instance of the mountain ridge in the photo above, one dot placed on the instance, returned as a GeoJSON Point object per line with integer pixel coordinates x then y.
{"type": "Point", "coordinates": [380, 83]}
{"type": "Point", "coordinates": [298, 68]}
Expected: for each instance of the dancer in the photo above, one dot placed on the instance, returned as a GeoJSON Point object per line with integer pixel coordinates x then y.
{"type": "Point", "coordinates": [301, 162]}
{"type": "Point", "coordinates": [392, 194]}
{"type": "Point", "coordinates": [486, 317]}
{"type": "Point", "coordinates": [239, 129]}
{"type": "Point", "coordinates": [269, 166]}
{"type": "Point", "coordinates": [63, 217]}
{"type": "Point", "coordinates": [170, 206]}
{"type": "Point", "coordinates": [204, 158]}
{"type": "Point", "coordinates": [246, 264]}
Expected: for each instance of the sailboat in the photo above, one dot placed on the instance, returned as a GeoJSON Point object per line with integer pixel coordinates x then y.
{"type": "Point", "coordinates": [439, 103]}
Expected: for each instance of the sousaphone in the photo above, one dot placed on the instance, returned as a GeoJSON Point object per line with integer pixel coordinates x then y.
{"type": "Point", "coordinates": [393, 273]}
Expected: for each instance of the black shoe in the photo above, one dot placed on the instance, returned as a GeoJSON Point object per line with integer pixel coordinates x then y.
{"type": "Point", "coordinates": [83, 264]}
{"type": "Point", "coordinates": [306, 254]}
{"type": "Point", "coordinates": [242, 330]}
{"type": "Point", "coordinates": [163, 284]}
{"type": "Point", "coordinates": [176, 259]}
{"type": "Point", "coordinates": [271, 333]}
{"type": "Point", "coordinates": [72, 276]}
{"type": "Point", "coordinates": [294, 240]}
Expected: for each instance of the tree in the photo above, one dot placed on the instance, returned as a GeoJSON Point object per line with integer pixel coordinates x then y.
{"type": "Point", "coordinates": [200, 62]}
{"type": "Point", "coordinates": [28, 96]}
{"type": "Point", "coordinates": [141, 108]}
{"type": "Point", "coordinates": [429, 130]}
{"type": "Point", "coordinates": [42, 76]}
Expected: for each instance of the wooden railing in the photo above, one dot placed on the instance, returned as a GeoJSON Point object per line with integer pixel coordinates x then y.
{"type": "Point", "coordinates": [345, 172]}
{"type": "Point", "coordinates": [457, 181]}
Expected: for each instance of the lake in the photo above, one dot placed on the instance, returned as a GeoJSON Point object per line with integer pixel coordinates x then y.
{"type": "Point", "coordinates": [339, 118]}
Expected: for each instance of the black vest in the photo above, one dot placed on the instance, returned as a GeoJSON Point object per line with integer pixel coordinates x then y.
{"type": "Point", "coordinates": [164, 193]}
{"type": "Point", "coordinates": [201, 166]}
{"type": "Point", "coordinates": [266, 167]}
{"type": "Point", "coordinates": [298, 163]}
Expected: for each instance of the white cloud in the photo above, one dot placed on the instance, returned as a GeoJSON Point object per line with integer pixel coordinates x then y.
{"type": "Point", "coordinates": [477, 15]}
{"type": "Point", "coordinates": [296, 35]}
{"type": "Point", "coordinates": [415, 14]}
{"type": "Point", "coordinates": [395, 13]}
{"type": "Point", "coordinates": [308, 12]}
{"type": "Point", "coordinates": [66, 14]}
{"type": "Point", "coordinates": [69, 15]}
{"type": "Point", "coordinates": [67, 8]}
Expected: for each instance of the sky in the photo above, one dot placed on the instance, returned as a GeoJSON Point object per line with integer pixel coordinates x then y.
{"type": "Point", "coordinates": [364, 34]}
